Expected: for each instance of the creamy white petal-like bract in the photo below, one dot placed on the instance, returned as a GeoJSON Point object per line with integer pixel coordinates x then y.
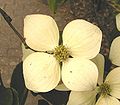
{"type": "Point", "coordinates": [41, 32]}
{"type": "Point", "coordinates": [79, 74]}
{"type": "Point", "coordinates": [62, 87]}
{"type": "Point", "coordinates": [115, 51]}
{"type": "Point", "coordinates": [26, 52]}
{"type": "Point", "coordinates": [99, 61]}
{"type": "Point", "coordinates": [41, 72]}
{"type": "Point", "coordinates": [82, 38]}
{"type": "Point", "coordinates": [113, 78]}
{"type": "Point", "coordinates": [108, 100]}
{"type": "Point", "coordinates": [82, 98]}
{"type": "Point", "coordinates": [118, 21]}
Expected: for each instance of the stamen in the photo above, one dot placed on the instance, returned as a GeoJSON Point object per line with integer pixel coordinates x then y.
{"type": "Point", "coordinates": [61, 53]}
{"type": "Point", "coordinates": [104, 89]}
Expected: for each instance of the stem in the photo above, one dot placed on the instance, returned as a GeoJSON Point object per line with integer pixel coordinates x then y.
{"type": "Point", "coordinates": [8, 20]}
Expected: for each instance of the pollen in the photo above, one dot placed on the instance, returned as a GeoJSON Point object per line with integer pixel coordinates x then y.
{"type": "Point", "coordinates": [104, 89]}
{"type": "Point", "coordinates": [61, 53]}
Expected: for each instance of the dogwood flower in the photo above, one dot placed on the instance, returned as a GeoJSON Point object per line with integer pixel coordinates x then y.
{"type": "Point", "coordinates": [109, 90]}
{"type": "Point", "coordinates": [42, 69]}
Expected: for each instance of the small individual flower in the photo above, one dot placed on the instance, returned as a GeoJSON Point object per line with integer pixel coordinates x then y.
{"type": "Point", "coordinates": [118, 21]}
{"type": "Point", "coordinates": [42, 69]}
{"type": "Point", "coordinates": [109, 90]}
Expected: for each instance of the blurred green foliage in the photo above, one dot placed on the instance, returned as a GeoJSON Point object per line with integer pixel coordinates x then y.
{"type": "Point", "coordinates": [8, 96]}
{"type": "Point", "coordinates": [53, 4]}
{"type": "Point", "coordinates": [115, 4]}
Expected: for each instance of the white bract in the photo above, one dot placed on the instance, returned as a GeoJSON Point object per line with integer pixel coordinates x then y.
{"type": "Point", "coordinates": [115, 51]}
{"type": "Point", "coordinates": [81, 42]}
{"type": "Point", "coordinates": [118, 21]}
{"type": "Point", "coordinates": [109, 90]}
{"type": "Point", "coordinates": [115, 46]}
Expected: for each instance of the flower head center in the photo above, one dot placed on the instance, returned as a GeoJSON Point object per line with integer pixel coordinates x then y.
{"type": "Point", "coordinates": [61, 53]}
{"type": "Point", "coordinates": [104, 89]}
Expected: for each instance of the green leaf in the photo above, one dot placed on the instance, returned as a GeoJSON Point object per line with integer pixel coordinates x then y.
{"type": "Point", "coordinates": [52, 5]}
{"type": "Point", "coordinates": [6, 96]}
{"type": "Point", "coordinates": [56, 97]}
{"type": "Point", "coordinates": [43, 102]}
{"type": "Point", "coordinates": [15, 97]}
{"type": "Point", "coordinates": [17, 82]}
